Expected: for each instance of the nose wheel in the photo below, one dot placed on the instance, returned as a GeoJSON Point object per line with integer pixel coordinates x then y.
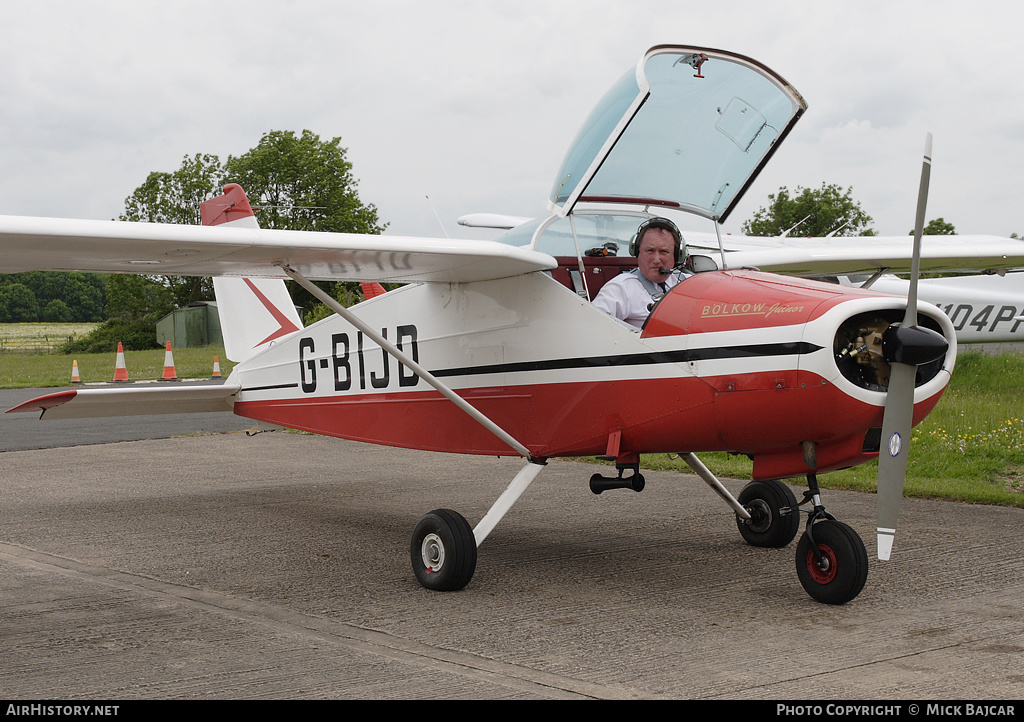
{"type": "Point", "coordinates": [831, 562]}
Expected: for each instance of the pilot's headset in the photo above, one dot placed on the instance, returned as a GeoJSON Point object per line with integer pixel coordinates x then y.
{"type": "Point", "coordinates": [657, 222]}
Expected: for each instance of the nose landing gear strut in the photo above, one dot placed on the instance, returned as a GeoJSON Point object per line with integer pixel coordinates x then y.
{"type": "Point", "coordinates": [831, 561]}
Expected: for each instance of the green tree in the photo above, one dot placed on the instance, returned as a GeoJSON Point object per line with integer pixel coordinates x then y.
{"type": "Point", "coordinates": [135, 297]}
{"type": "Point", "coordinates": [18, 303]}
{"type": "Point", "coordinates": [304, 183]}
{"type": "Point", "coordinates": [136, 303]}
{"type": "Point", "coordinates": [85, 295]}
{"type": "Point", "coordinates": [810, 212]}
{"type": "Point", "coordinates": [937, 227]}
{"type": "Point", "coordinates": [297, 182]}
{"type": "Point", "coordinates": [56, 311]}
{"type": "Point", "coordinates": [174, 198]}
{"type": "Point", "coordinates": [25, 294]}
{"type": "Point", "coordinates": [46, 285]}
{"type": "Point", "coordinates": [81, 293]}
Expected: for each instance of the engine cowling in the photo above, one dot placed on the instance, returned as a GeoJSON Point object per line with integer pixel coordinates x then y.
{"type": "Point", "coordinates": [792, 360]}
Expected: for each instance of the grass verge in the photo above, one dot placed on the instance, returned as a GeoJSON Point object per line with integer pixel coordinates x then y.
{"type": "Point", "coordinates": [40, 371]}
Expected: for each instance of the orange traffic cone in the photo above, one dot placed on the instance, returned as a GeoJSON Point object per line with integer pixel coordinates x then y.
{"type": "Point", "coordinates": [75, 378]}
{"type": "Point", "coordinates": [169, 374]}
{"type": "Point", "coordinates": [216, 368]}
{"type": "Point", "coordinates": [120, 370]}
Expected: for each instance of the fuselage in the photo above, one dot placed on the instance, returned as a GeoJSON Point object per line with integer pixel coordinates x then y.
{"type": "Point", "coordinates": [728, 361]}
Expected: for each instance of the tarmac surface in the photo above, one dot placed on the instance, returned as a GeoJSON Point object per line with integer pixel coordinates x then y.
{"type": "Point", "coordinates": [276, 566]}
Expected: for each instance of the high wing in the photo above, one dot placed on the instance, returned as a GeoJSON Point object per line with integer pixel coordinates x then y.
{"type": "Point", "coordinates": [864, 254]}
{"type": "Point", "coordinates": [58, 244]}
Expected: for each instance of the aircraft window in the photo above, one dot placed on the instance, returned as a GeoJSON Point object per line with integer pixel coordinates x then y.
{"type": "Point", "coordinates": [521, 235]}
{"type": "Point", "coordinates": [595, 131]}
{"type": "Point", "coordinates": [692, 142]}
{"type": "Point", "coordinates": [594, 231]}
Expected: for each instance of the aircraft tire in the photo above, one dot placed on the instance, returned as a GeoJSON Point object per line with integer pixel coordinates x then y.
{"type": "Point", "coordinates": [847, 563]}
{"type": "Point", "coordinates": [774, 511]}
{"type": "Point", "coordinates": [443, 551]}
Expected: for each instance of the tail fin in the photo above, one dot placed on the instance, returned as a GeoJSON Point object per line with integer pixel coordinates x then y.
{"type": "Point", "coordinates": [372, 290]}
{"type": "Point", "coordinates": [253, 311]}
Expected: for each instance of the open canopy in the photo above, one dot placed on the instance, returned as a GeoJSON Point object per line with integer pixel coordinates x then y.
{"type": "Point", "coordinates": [688, 128]}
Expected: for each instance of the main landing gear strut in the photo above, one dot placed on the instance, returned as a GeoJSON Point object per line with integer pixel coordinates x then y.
{"type": "Point", "coordinates": [443, 547]}
{"type": "Point", "coordinates": [831, 560]}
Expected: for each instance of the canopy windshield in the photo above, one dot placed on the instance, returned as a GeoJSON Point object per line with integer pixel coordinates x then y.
{"type": "Point", "coordinates": [688, 128]}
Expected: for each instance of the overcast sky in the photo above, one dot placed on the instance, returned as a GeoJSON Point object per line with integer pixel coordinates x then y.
{"type": "Point", "coordinates": [473, 103]}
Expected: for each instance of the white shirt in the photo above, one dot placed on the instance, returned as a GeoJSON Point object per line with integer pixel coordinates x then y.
{"type": "Point", "coordinates": [626, 298]}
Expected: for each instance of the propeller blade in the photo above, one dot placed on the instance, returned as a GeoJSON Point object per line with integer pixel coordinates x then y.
{"type": "Point", "coordinates": [910, 319]}
{"type": "Point", "coordinates": [898, 417]}
{"type": "Point", "coordinates": [892, 461]}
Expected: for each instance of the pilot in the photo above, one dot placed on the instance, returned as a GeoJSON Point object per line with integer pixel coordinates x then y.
{"type": "Point", "coordinates": [659, 248]}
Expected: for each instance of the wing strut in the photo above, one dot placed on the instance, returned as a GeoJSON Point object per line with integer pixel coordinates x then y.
{"type": "Point", "coordinates": [711, 480]}
{"type": "Point", "coordinates": [408, 362]}
{"type": "Point", "coordinates": [526, 475]}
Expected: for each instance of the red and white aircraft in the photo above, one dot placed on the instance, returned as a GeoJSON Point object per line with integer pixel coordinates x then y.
{"type": "Point", "coordinates": [489, 348]}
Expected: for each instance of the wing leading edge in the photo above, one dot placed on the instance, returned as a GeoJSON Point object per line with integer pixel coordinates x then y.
{"type": "Point", "coordinates": [59, 244]}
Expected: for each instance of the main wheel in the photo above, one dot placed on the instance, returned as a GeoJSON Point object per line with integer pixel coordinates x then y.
{"type": "Point", "coordinates": [774, 514]}
{"type": "Point", "coordinates": [443, 551]}
{"type": "Point", "coordinates": [843, 570]}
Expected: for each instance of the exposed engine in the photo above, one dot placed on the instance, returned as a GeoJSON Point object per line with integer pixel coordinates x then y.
{"type": "Point", "coordinates": [865, 344]}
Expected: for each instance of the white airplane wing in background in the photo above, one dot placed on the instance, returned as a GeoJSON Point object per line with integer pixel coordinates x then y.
{"type": "Point", "coordinates": [492, 220]}
{"type": "Point", "coordinates": [865, 254]}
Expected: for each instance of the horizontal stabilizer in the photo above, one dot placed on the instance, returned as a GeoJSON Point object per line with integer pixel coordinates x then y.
{"type": "Point", "coordinates": [131, 401]}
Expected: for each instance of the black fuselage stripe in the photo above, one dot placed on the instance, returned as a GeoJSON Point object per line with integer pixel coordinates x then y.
{"type": "Point", "coordinates": [271, 387]}
{"type": "Point", "coordinates": [638, 359]}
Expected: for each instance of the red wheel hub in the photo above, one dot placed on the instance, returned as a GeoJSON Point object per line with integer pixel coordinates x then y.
{"type": "Point", "coordinates": [825, 572]}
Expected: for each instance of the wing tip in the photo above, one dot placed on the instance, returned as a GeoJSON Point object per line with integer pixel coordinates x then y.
{"type": "Point", "coordinates": [42, 403]}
